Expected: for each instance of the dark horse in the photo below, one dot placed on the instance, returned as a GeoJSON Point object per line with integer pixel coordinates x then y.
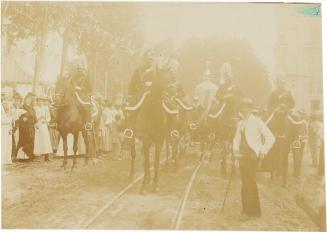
{"type": "Point", "coordinates": [178, 118]}
{"type": "Point", "coordinates": [148, 120]}
{"type": "Point", "coordinates": [72, 115]}
{"type": "Point", "coordinates": [222, 120]}
{"type": "Point", "coordinates": [286, 130]}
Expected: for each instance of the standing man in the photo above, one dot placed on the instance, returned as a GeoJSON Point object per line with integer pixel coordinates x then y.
{"type": "Point", "coordinates": [249, 148]}
{"type": "Point", "coordinates": [280, 103]}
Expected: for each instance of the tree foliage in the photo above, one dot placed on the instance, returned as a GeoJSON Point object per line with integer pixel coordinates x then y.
{"type": "Point", "coordinates": [97, 30]}
{"type": "Point", "coordinates": [250, 73]}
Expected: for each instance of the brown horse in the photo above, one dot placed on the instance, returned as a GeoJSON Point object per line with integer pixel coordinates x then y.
{"type": "Point", "coordinates": [146, 120]}
{"type": "Point", "coordinates": [74, 115]}
{"type": "Point", "coordinates": [286, 130]}
{"type": "Point", "coordinates": [178, 119]}
{"type": "Point", "coordinates": [222, 120]}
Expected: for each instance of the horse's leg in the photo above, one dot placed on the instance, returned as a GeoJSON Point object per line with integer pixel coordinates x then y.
{"type": "Point", "coordinates": [167, 141]}
{"type": "Point", "coordinates": [174, 152]}
{"type": "Point", "coordinates": [75, 147]}
{"type": "Point", "coordinates": [223, 158]}
{"type": "Point", "coordinates": [133, 155]}
{"type": "Point", "coordinates": [158, 146]}
{"type": "Point", "coordinates": [65, 148]}
{"type": "Point", "coordinates": [146, 154]}
{"type": "Point", "coordinates": [86, 141]}
{"type": "Point", "coordinates": [211, 150]}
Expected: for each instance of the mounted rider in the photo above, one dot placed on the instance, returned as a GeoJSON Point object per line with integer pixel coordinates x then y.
{"type": "Point", "coordinates": [142, 77]}
{"type": "Point", "coordinates": [280, 104]}
{"type": "Point", "coordinates": [80, 82]}
{"type": "Point", "coordinates": [228, 98]}
{"type": "Point", "coordinates": [228, 91]}
{"type": "Point", "coordinates": [281, 98]}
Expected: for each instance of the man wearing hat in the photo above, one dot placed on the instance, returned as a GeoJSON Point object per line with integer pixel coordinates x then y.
{"type": "Point", "coordinates": [251, 142]}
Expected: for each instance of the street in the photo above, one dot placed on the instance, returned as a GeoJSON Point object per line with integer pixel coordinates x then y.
{"type": "Point", "coordinates": [41, 195]}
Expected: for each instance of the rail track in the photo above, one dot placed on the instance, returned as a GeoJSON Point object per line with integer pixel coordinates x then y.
{"type": "Point", "coordinates": [107, 206]}
{"type": "Point", "coordinates": [181, 206]}
{"type": "Point", "coordinates": [179, 214]}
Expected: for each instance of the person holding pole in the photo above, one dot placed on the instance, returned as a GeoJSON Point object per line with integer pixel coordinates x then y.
{"type": "Point", "coordinates": [251, 142]}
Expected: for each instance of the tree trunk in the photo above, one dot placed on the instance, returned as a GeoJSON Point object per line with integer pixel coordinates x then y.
{"type": "Point", "coordinates": [40, 49]}
{"type": "Point", "coordinates": [95, 72]}
{"type": "Point", "coordinates": [64, 53]}
{"type": "Point", "coordinates": [39, 59]}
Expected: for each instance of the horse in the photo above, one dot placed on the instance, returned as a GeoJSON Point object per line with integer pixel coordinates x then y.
{"type": "Point", "coordinates": [222, 121]}
{"type": "Point", "coordinates": [74, 115]}
{"type": "Point", "coordinates": [178, 118]}
{"type": "Point", "coordinates": [146, 121]}
{"type": "Point", "coordinates": [286, 129]}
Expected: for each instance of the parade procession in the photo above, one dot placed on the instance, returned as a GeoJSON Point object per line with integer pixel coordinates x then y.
{"type": "Point", "coordinates": [148, 116]}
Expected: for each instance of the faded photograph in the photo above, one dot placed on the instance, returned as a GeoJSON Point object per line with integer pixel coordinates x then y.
{"type": "Point", "coordinates": [158, 115]}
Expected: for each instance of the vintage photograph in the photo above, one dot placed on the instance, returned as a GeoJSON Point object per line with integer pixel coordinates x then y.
{"type": "Point", "coordinates": [162, 116]}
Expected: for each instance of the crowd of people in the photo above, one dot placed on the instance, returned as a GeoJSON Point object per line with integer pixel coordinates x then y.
{"type": "Point", "coordinates": [29, 131]}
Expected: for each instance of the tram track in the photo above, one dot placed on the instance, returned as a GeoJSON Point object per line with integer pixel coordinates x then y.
{"type": "Point", "coordinates": [188, 173]}
{"type": "Point", "coordinates": [108, 205]}
{"type": "Point", "coordinates": [179, 214]}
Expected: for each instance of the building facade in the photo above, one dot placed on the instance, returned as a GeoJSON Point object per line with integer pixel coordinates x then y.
{"type": "Point", "coordinates": [298, 53]}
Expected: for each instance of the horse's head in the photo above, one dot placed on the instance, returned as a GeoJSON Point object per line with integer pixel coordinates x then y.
{"type": "Point", "coordinates": [63, 92]}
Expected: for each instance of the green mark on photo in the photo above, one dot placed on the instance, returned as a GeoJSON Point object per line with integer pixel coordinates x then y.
{"type": "Point", "coordinates": [314, 10]}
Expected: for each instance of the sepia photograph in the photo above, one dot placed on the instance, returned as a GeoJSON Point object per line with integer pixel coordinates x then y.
{"type": "Point", "coordinates": [162, 116]}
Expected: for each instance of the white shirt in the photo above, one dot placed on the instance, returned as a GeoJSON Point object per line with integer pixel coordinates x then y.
{"type": "Point", "coordinates": [257, 134]}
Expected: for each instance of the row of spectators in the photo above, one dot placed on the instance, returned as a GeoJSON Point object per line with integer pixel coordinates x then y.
{"type": "Point", "coordinates": [29, 131]}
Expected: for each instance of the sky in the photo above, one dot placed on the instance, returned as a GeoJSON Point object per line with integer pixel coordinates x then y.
{"type": "Point", "coordinates": [255, 22]}
{"type": "Point", "coordinates": [180, 21]}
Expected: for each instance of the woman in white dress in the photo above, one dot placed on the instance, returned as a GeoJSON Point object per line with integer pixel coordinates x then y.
{"type": "Point", "coordinates": [106, 121]}
{"type": "Point", "coordinates": [42, 141]}
{"type": "Point", "coordinates": [6, 137]}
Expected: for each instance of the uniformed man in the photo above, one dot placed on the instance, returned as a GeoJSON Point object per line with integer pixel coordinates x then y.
{"type": "Point", "coordinates": [281, 99]}
{"type": "Point", "coordinates": [227, 94]}
{"type": "Point", "coordinates": [142, 76]}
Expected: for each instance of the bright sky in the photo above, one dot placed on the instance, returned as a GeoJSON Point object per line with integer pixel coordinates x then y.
{"type": "Point", "coordinates": [180, 21]}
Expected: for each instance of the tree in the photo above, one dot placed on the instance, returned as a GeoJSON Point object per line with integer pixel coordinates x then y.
{"type": "Point", "coordinates": [250, 73]}
{"type": "Point", "coordinates": [31, 19]}
{"type": "Point", "coordinates": [96, 30]}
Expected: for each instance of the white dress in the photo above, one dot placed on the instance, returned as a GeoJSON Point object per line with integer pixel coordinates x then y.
{"type": "Point", "coordinates": [106, 120]}
{"type": "Point", "coordinates": [6, 138]}
{"type": "Point", "coordinates": [70, 142]}
{"type": "Point", "coordinates": [42, 141]}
